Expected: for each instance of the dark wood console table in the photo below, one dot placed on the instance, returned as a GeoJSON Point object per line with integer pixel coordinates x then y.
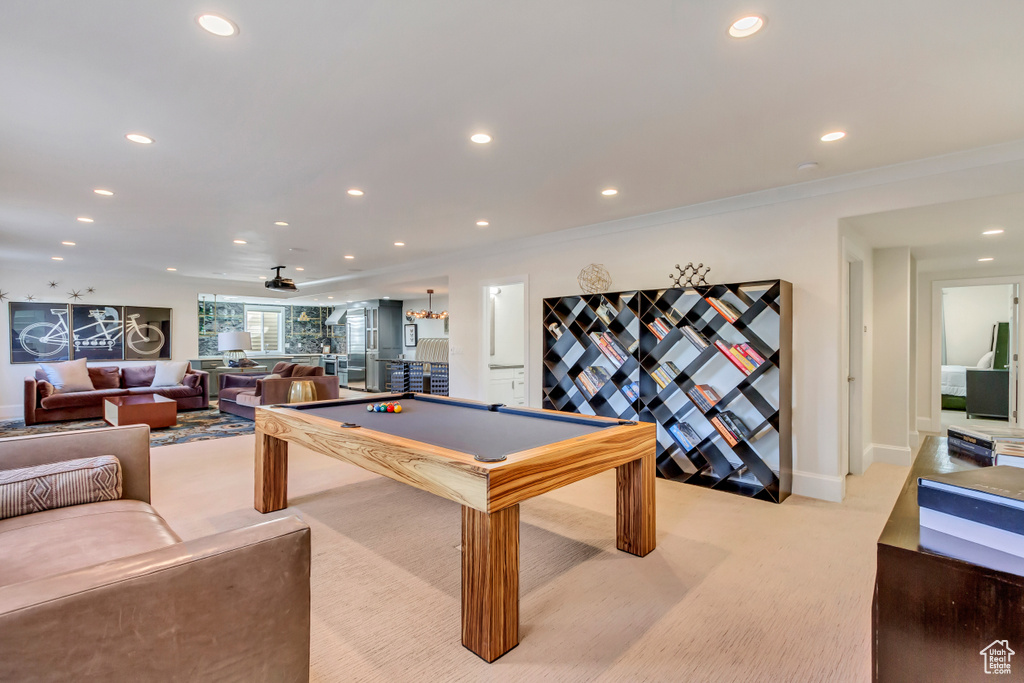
{"type": "Point", "coordinates": [933, 615]}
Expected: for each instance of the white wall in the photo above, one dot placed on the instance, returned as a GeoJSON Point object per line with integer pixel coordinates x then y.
{"type": "Point", "coordinates": [180, 295]}
{"type": "Point", "coordinates": [969, 314]}
{"type": "Point", "coordinates": [424, 327]}
{"type": "Point", "coordinates": [508, 326]}
{"type": "Point", "coordinates": [891, 405]}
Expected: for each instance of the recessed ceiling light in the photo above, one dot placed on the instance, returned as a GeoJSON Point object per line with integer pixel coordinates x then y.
{"type": "Point", "coordinates": [349, 301]}
{"type": "Point", "coordinates": [349, 256]}
{"type": "Point", "coordinates": [263, 277]}
{"type": "Point", "coordinates": [386, 297]}
{"type": "Point", "coordinates": [57, 258]}
{"type": "Point", "coordinates": [399, 244]}
{"type": "Point", "coordinates": [480, 138]}
{"type": "Point", "coordinates": [482, 224]}
{"type": "Point", "coordinates": [84, 219]}
{"type": "Point", "coordinates": [140, 138]}
{"type": "Point", "coordinates": [993, 231]}
{"type": "Point", "coordinates": [315, 299]}
{"type": "Point", "coordinates": [833, 136]}
{"type": "Point", "coordinates": [241, 242]}
{"type": "Point", "coordinates": [330, 297]}
{"type": "Point", "coordinates": [218, 26]}
{"type": "Point", "coordinates": [68, 244]}
{"type": "Point", "coordinates": [281, 223]}
{"type": "Point", "coordinates": [298, 268]}
{"type": "Point", "coordinates": [747, 26]}
{"type": "Point", "coordinates": [609, 192]}
{"type": "Point", "coordinates": [355, 192]}
{"type": "Point", "coordinates": [172, 269]}
{"type": "Point", "coordinates": [987, 258]}
{"type": "Point", "coordinates": [807, 166]}
{"type": "Point", "coordinates": [105, 193]}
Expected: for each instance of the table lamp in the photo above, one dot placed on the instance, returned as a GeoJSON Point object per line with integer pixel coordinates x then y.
{"type": "Point", "coordinates": [233, 345]}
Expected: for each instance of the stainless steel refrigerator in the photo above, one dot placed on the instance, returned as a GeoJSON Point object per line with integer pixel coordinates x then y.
{"type": "Point", "coordinates": [355, 335]}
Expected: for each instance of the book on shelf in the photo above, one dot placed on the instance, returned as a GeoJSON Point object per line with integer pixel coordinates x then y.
{"type": "Point", "coordinates": [633, 347]}
{"type": "Point", "coordinates": [632, 391]}
{"type": "Point", "coordinates": [685, 435]}
{"type": "Point", "coordinates": [709, 393]}
{"type": "Point", "coordinates": [744, 361]}
{"type": "Point", "coordinates": [734, 424]}
{"type": "Point", "coordinates": [750, 353]}
{"type": "Point", "coordinates": [724, 348]}
{"type": "Point", "coordinates": [984, 506]}
{"type": "Point", "coordinates": [724, 308]}
{"type": "Point", "coordinates": [610, 347]}
{"type": "Point", "coordinates": [716, 422]}
{"type": "Point", "coordinates": [698, 399]}
{"type": "Point", "coordinates": [695, 337]}
{"type": "Point", "coordinates": [656, 330]}
{"type": "Point", "coordinates": [592, 379]}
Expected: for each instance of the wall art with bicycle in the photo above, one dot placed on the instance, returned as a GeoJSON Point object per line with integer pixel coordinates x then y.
{"type": "Point", "coordinates": [42, 332]}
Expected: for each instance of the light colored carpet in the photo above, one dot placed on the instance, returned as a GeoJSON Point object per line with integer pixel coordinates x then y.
{"type": "Point", "coordinates": [737, 590]}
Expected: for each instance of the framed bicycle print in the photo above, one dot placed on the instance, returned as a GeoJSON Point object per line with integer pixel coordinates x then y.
{"type": "Point", "coordinates": [147, 333]}
{"type": "Point", "coordinates": [39, 332]}
{"type": "Point", "coordinates": [97, 332]}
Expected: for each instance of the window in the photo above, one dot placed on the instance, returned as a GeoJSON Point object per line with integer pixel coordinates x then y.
{"type": "Point", "coordinates": [265, 325]}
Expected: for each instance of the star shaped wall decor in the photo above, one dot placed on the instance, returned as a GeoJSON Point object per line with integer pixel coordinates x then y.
{"type": "Point", "coordinates": [53, 285]}
{"type": "Point", "coordinates": [90, 290]}
{"type": "Point", "coordinates": [74, 294]}
{"type": "Point", "coordinates": [4, 295]}
{"type": "Point", "coordinates": [30, 298]}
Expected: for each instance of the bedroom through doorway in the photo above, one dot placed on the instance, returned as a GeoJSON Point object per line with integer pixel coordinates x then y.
{"type": "Point", "coordinates": [978, 354]}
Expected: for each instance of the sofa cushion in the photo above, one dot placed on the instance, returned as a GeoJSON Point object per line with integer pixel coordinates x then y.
{"type": "Point", "coordinates": [307, 371]}
{"type": "Point", "coordinates": [284, 369]}
{"type": "Point", "coordinates": [79, 399]}
{"type": "Point", "coordinates": [45, 388]}
{"type": "Point", "coordinates": [105, 377]}
{"type": "Point", "coordinates": [69, 376]}
{"type": "Point", "coordinates": [56, 541]}
{"type": "Point", "coordinates": [230, 393]}
{"type": "Point", "coordinates": [138, 375]}
{"type": "Point", "coordinates": [58, 484]}
{"type": "Point", "coordinates": [192, 379]}
{"type": "Point", "coordinates": [179, 391]}
{"type": "Point", "coordinates": [248, 398]}
{"type": "Point", "coordinates": [169, 373]}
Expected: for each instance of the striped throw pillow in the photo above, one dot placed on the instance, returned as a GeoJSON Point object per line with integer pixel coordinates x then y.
{"type": "Point", "coordinates": [59, 484]}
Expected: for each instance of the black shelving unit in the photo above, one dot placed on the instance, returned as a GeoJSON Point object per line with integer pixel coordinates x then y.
{"type": "Point", "coordinates": [724, 416]}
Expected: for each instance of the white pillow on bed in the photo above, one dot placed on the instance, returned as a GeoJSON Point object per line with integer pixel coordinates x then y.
{"type": "Point", "coordinates": [987, 360]}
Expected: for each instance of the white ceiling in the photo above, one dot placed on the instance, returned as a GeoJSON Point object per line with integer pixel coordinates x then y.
{"type": "Point", "coordinates": [315, 97]}
{"type": "Point", "coordinates": [948, 237]}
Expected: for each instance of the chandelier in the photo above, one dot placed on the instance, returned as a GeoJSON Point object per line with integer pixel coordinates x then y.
{"type": "Point", "coordinates": [427, 312]}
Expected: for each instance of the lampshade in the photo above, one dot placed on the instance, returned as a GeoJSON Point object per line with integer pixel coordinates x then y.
{"type": "Point", "coordinates": [234, 341]}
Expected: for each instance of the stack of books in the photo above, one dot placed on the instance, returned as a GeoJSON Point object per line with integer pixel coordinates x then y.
{"type": "Point", "coordinates": [1011, 454]}
{"type": "Point", "coordinates": [695, 338]}
{"type": "Point", "coordinates": [685, 435]}
{"type": "Point", "coordinates": [724, 308]}
{"type": "Point", "coordinates": [659, 327]}
{"type": "Point", "coordinates": [983, 507]}
{"type": "Point", "coordinates": [591, 380]}
{"type": "Point", "coordinates": [745, 358]}
{"type": "Point", "coordinates": [730, 426]}
{"type": "Point", "coordinates": [610, 347]}
{"type": "Point", "coordinates": [981, 443]}
{"type": "Point", "coordinates": [632, 391]}
{"type": "Point", "coordinates": [665, 373]}
{"type": "Point", "coordinates": [703, 396]}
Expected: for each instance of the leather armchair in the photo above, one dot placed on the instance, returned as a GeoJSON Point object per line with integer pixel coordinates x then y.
{"type": "Point", "coordinates": [231, 606]}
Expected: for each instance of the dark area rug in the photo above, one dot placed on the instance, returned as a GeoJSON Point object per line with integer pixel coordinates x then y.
{"type": "Point", "coordinates": [193, 425]}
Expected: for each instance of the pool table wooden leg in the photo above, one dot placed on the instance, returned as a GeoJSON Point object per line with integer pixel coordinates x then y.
{"type": "Point", "coordinates": [271, 473]}
{"type": "Point", "coordinates": [490, 581]}
{"type": "Point", "coordinates": [634, 494]}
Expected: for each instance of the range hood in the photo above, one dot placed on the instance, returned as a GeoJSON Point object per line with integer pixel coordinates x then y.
{"type": "Point", "coordinates": [337, 316]}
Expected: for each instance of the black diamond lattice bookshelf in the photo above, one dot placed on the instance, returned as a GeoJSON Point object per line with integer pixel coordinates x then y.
{"type": "Point", "coordinates": [712, 366]}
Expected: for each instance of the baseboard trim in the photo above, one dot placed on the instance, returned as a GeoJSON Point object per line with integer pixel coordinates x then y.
{"type": "Point", "coordinates": [821, 486]}
{"type": "Point", "coordinates": [11, 412]}
{"type": "Point", "coordinates": [927, 424]}
{"type": "Point", "coordinates": [893, 455]}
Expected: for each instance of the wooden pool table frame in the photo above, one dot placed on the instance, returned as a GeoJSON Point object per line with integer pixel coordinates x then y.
{"type": "Point", "coordinates": [489, 493]}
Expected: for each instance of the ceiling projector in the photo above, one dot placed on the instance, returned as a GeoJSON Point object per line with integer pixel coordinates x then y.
{"type": "Point", "coordinates": [280, 284]}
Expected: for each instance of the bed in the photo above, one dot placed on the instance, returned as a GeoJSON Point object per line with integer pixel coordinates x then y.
{"type": "Point", "coordinates": [954, 377]}
{"type": "Point", "coordinates": [954, 387]}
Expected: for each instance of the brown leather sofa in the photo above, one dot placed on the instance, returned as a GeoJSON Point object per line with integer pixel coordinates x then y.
{"type": "Point", "coordinates": [110, 380]}
{"type": "Point", "coordinates": [108, 592]}
{"type": "Point", "coordinates": [240, 394]}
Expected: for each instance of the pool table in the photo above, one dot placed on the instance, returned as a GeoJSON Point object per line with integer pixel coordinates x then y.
{"type": "Point", "coordinates": [435, 445]}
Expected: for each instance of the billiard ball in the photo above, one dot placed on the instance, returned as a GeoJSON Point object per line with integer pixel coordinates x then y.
{"type": "Point", "coordinates": [398, 407]}
{"type": "Point", "coordinates": [391, 408]}
{"type": "Point", "coordinates": [369, 408]}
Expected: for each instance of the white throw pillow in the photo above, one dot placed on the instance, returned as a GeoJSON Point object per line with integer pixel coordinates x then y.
{"type": "Point", "coordinates": [169, 373]}
{"type": "Point", "coordinates": [987, 360]}
{"type": "Point", "coordinates": [69, 376]}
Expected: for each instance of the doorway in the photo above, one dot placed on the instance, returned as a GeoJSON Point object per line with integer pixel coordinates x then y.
{"type": "Point", "coordinates": [977, 353]}
{"type": "Point", "coordinates": [852, 398]}
{"type": "Point", "coordinates": [504, 354]}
